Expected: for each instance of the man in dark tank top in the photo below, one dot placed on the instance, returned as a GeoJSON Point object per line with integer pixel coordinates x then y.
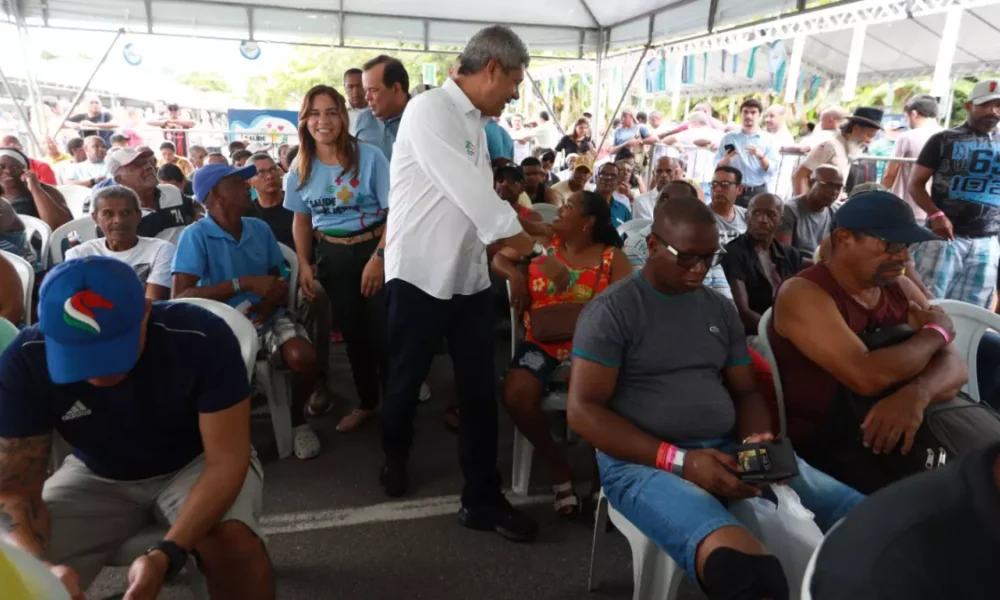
{"type": "Point", "coordinates": [818, 315]}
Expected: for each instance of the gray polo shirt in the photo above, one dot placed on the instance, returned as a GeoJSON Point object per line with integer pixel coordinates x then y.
{"type": "Point", "coordinates": [807, 228]}
{"type": "Point", "coordinates": [670, 352]}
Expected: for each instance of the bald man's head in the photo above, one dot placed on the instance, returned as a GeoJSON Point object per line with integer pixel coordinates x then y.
{"type": "Point", "coordinates": [764, 217]}
{"type": "Point", "coordinates": [683, 246]}
{"type": "Point", "coordinates": [827, 185]}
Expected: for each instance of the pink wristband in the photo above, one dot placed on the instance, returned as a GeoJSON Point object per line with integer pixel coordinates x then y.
{"type": "Point", "coordinates": [939, 213]}
{"type": "Point", "coordinates": [939, 329]}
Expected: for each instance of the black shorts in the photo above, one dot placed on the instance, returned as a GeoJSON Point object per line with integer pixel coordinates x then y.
{"type": "Point", "coordinates": [532, 358]}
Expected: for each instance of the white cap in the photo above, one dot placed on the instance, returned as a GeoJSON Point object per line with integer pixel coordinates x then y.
{"type": "Point", "coordinates": [985, 91]}
{"type": "Point", "coordinates": [120, 157]}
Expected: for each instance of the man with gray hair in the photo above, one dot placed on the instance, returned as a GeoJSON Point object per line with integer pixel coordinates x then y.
{"type": "Point", "coordinates": [117, 213]}
{"type": "Point", "coordinates": [439, 286]}
{"type": "Point", "coordinates": [830, 121]}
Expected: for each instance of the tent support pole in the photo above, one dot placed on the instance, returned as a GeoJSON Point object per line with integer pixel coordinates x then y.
{"type": "Point", "coordinates": [621, 101]}
{"type": "Point", "coordinates": [20, 110]}
{"type": "Point", "coordinates": [596, 91]}
{"type": "Point", "coordinates": [86, 86]}
{"type": "Point", "coordinates": [34, 93]}
{"type": "Point", "coordinates": [538, 92]}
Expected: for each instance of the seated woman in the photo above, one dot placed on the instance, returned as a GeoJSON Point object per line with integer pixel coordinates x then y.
{"type": "Point", "coordinates": [14, 237]}
{"type": "Point", "coordinates": [27, 194]}
{"type": "Point", "coordinates": [586, 241]}
{"type": "Point", "coordinates": [11, 294]}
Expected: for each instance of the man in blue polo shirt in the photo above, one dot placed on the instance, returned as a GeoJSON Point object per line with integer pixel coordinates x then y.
{"type": "Point", "coordinates": [236, 259]}
{"type": "Point", "coordinates": [750, 150]}
{"type": "Point", "coordinates": [154, 398]}
{"type": "Point", "coordinates": [386, 91]}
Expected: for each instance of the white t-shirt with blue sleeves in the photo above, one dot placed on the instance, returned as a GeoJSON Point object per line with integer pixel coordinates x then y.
{"type": "Point", "coordinates": [341, 203]}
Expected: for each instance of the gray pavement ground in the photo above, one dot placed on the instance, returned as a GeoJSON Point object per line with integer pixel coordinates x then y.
{"type": "Point", "coordinates": [334, 535]}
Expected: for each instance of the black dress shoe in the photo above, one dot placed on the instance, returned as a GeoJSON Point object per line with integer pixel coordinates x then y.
{"type": "Point", "coordinates": [502, 518]}
{"type": "Point", "coordinates": [393, 480]}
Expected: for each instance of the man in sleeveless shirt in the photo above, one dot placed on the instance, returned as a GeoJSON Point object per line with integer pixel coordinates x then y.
{"type": "Point", "coordinates": [818, 315]}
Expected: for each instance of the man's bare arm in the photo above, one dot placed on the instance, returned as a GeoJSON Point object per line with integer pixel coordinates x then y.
{"type": "Point", "coordinates": [752, 413]}
{"type": "Point", "coordinates": [917, 187]}
{"type": "Point", "coordinates": [808, 317]}
{"type": "Point", "coordinates": [226, 436]}
{"type": "Point", "coordinates": [800, 180]}
{"type": "Point", "coordinates": [24, 518]}
{"type": "Point", "coordinates": [890, 175]}
{"type": "Point", "coordinates": [590, 389]}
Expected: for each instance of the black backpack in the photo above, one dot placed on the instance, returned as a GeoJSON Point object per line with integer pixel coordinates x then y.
{"type": "Point", "coordinates": [950, 429]}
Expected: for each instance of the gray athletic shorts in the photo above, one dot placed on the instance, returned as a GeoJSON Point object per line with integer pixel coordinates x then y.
{"type": "Point", "coordinates": [92, 517]}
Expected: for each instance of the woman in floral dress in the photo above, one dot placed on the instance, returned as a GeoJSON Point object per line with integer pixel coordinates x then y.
{"type": "Point", "coordinates": [586, 241]}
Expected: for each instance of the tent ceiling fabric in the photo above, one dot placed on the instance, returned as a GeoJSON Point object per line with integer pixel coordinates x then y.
{"type": "Point", "coordinates": [563, 25]}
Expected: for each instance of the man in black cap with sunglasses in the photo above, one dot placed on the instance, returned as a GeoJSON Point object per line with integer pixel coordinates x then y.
{"type": "Point", "coordinates": [818, 318]}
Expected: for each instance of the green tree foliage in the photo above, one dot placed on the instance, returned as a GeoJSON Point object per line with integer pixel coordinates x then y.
{"type": "Point", "coordinates": [312, 65]}
{"type": "Point", "coordinates": [206, 82]}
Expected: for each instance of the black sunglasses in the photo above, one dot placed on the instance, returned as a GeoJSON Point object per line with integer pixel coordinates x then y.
{"type": "Point", "coordinates": [689, 260]}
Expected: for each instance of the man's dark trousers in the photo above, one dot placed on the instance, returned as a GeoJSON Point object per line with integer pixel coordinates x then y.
{"type": "Point", "coordinates": [417, 322]}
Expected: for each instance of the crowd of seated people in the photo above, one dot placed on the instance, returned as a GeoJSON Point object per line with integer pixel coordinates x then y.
{"type": "Point", "coordinates": [702, 272]}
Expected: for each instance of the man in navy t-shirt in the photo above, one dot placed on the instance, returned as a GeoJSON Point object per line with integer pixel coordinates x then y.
{"type": "Point", "coordinates": [154, 398]}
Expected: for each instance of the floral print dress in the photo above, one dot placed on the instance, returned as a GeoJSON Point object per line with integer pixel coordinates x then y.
{"type": "Point", "coordinates": [584, 284]}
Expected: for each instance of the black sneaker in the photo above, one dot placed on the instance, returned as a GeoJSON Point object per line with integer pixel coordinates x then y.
{"type": "Point", "coordinates": [393, 480]}
{"type": "Point", "coordinates": [502, 518]}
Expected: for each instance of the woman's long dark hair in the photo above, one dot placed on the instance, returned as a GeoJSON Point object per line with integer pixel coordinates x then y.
{"type": "Point", "coordinates": [347, 145]}
{"type": "Point", "coordinates": [604, 233]}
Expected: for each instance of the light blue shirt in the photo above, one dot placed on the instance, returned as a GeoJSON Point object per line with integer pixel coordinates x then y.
{"type": "Point", "coordinates": [623, 134]}
{"type": "Point", "coordinates": [343, 203]}
{"type": "Point", "coordinates": [213, 255]}
{"type": "Point", "coordinates": [753, 173]}
{"type": "Point", "coordinates": [620, 210]}
{"type": "Point", "coordinates": [499, 144]}
{"type": "Point", "coordinates": [382, 134]}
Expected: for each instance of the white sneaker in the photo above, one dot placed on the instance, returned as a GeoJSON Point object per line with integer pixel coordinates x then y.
{"type": "Point", "coordinates": [305, 442]}
{"type": "Point", "coordinates": [425, 392]}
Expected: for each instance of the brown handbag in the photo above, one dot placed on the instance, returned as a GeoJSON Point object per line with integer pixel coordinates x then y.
{"type": "Point", "coordinates": [555, 323]}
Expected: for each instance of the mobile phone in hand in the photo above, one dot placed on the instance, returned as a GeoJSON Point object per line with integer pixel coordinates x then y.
{"type": "Point", "coordinates": [729, 148]}
{"type": "Point", "coordinates": [766, 462]}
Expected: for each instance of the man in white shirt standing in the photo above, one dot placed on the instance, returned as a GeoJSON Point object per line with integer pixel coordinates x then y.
{"type": "Point", "coordinates": [117, 212]}
{"type": "Point", "coordinates": [921, 115]}
{"type": "Point", "coordinates": [437, 281]}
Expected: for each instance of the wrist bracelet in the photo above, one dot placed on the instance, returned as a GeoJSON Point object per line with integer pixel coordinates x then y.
{"type": "Point", "coordinates": [670, 458]}
{"type": "Point", "coordinates": [936, 215]}
{"type": "Point", "coordinates": [939, 329]}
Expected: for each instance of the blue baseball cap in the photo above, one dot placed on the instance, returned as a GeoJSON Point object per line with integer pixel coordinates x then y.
{"type": "Point", "coordinates": [91, 312]}
{"type": "Point", "coordinates": [209, 176]}
{"type": "Point", "coordinates": [884, 215]}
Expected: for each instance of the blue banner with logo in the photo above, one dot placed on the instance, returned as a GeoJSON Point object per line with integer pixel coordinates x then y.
{"type": "Point", "coordinates": [263, 127]}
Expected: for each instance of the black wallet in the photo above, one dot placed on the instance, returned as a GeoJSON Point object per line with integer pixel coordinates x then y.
{"type": "Point", "coordinates": [766, 462]}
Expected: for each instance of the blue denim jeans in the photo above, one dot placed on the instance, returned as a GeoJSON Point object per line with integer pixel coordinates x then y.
{"type": "Point", "coordinates": [678, 515]}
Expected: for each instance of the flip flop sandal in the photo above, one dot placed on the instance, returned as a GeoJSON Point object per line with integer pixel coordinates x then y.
{"type": "Point", "coordinates": [565, 498]}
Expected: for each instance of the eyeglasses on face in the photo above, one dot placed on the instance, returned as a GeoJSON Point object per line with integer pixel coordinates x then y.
{"type": "Point", "coordinates": [689, 260]}
{"type": "Point", "coordinates": [608, 175]}
{"type": "Point", "coordinates": [831, 185]}
{"type": "Point", "coordinates": [724, 184]}
{"type": "Point", "coordinates": [891, 248]}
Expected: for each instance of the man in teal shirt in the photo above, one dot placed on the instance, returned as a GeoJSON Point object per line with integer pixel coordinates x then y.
{"type": "Point", "coordinates": [499, 144]}
{"type": "Point", "coordinates": [386, 85]}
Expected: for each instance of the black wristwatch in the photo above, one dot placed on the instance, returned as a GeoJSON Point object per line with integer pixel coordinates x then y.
{"type": "Point", "coordinates": [176, 556]}
{"type": "Point", "coordinates": [379, 253]}
{"type": "Point", "coordinates": [536, 251]}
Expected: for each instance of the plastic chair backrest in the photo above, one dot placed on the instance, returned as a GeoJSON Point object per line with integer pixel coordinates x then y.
{"type": "Point", "coordinates": [971, 322]}
{"type": "Point", "coordinates": [85, 228]}
{"type": "Point", "coordinates": [27, 275]}
{"type": "Point", "coordinates": [632, 226]}
{"type": "Point", "coordinates": [764, 343]}
{"type": "Point", "coordinates": [547, 211]}
{"type": "Point", "coordinates": [245, 332]}
{"type": "Point", "coordinates": [33, 225]}
{"type": "Point", "coordinates": [8, 331]}
{"type": "Point", "coordinates": [76, 199]}
{"type": "Point", "coordinates": [293, 276]}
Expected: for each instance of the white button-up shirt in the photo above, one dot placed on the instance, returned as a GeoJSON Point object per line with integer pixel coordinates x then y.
{"type": "Point", "coordinates": [442, 207]}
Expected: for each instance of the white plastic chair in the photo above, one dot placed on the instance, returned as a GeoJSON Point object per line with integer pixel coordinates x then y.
{"type": "Point", "coordinates": [27, 274]}
{"type": "Point", "coordinates": [520, 477]}
{"type": "Point", "coordinates": [136, 546]}
{"type": "Point", "coordinates": [84, 227]}
{"type": "Point", "coordinates": [76, 199]}
{"type": "Point", "coordinates": [971, 322]}
{"type": "Point", "coordinates": [629, 227]}
{"type": "Point", "coordinates": [806, 593]}
{"type": "Point", "coordinates": [33, 225]}
{"type": "Point", "coordinates": [547, 211]}
{"type": "Point", "coordinates": [764, 344]}
{"type": "Point", "coordinates": [655, 576]}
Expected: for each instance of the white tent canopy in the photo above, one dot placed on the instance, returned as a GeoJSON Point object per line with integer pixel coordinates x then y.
{"type": "Point", "coordinates": [565, 26]}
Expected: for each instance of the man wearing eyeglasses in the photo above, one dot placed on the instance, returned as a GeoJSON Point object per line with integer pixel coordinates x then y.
{"type": "Point", "coordinates": [607, 186]}
{"type": "Point", "coordinates": [819, 316]}
{"type": "Point", "coordinates": [808, 218]}
{"type": "Point", "coordinates": [727, 186]}
{"type": "Point", "coordinates": [664, 417]}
